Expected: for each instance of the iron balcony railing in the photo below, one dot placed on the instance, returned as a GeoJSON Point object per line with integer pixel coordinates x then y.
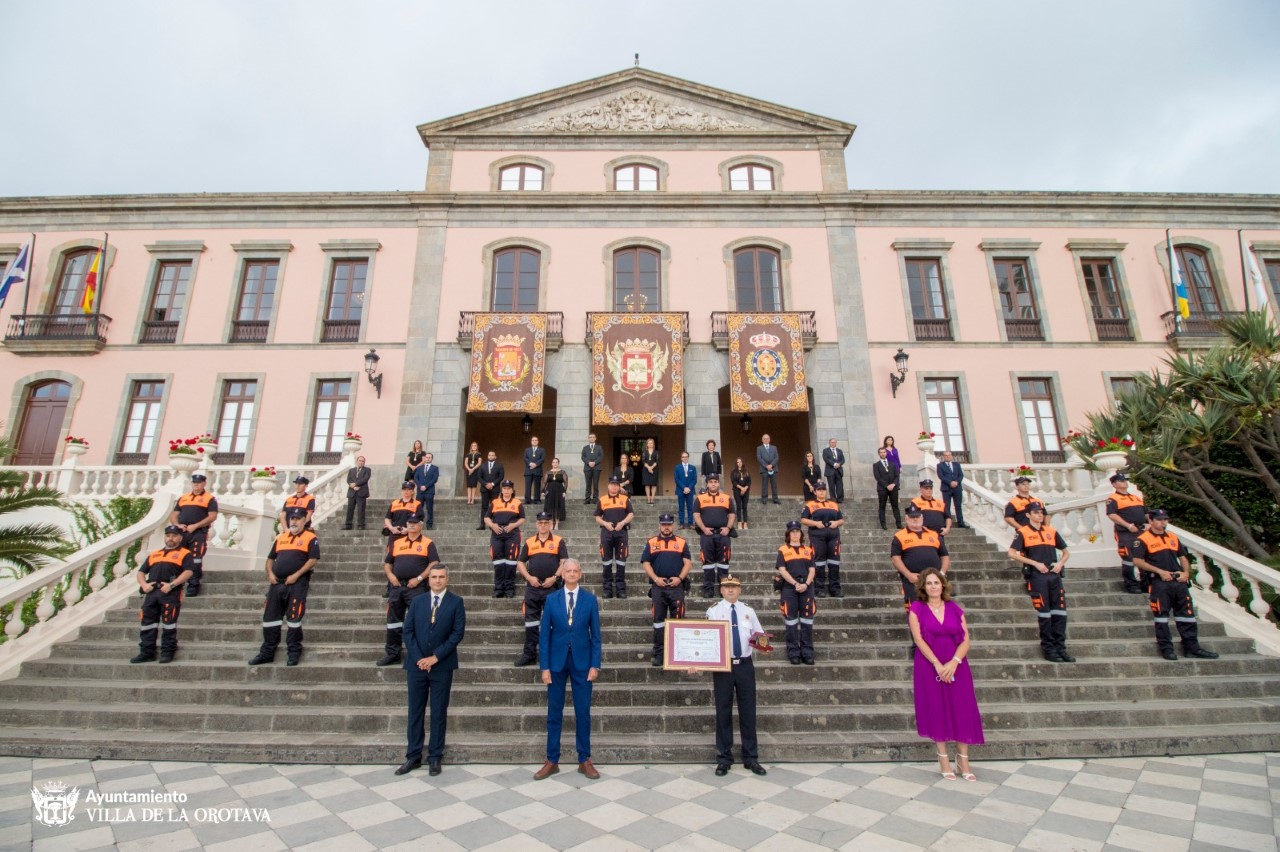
{"type": "Point", "coordinates": [555, 328]}
{"type": "Point", "coordinates": [720, 328]}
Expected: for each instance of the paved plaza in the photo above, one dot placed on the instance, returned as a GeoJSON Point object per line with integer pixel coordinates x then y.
{"type": "Point", "coordinates": [1173, 803]}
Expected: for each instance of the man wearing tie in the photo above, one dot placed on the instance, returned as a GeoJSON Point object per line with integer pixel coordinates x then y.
{"type": "Point", "coordinates": [950, 474]}
{"type": "Point", "coordinates": [740, 680]}
{"type": "Point", "coordinates": [833, 470]}
{"type": "Point", "coordinates": [569, 650]}
{"type": "Point", "coordinates": [767, 456]}
{"type": "Point", "coordinates": [711, 461]}
{"type": "Point", "coordinates": [357, 492]}
{"type": "Point", "coordinates": [592, 459]}
{"type": "Point", "coordinates": [686, 485]}
{"type": "Point", "coordinates": [433, 629]}
{"type": "Point", "coordinates": [534, 456]}
{"type": "Point", "coordinates": [491, 476]}
{"type": "Point", "coordinates": [426, 476]}
{"type": "Point", "coordinates": [887, 487]}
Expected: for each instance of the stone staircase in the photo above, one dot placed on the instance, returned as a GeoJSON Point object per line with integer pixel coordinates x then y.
{"type": "Point", "coordinates": [1121, 698]}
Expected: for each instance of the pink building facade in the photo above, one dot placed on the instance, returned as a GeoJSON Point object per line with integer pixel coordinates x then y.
{"type": "Point", "coordinates": [250, 316]}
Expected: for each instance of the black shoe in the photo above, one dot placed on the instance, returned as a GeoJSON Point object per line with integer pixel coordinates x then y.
{"type": "Point", "coordinates": [882, 526]}
{"type": "Point", "coordinates": [1201, 653]}
{"type": "Point", "coordinates": [346, 526]}
{"type": "Point", "coordinates": [607, 595]}
{"type": "Point", "coordinates": [499, 594]}
{"type": "Point", "coordinates": [821, 593]}
{"type": "Point", "coordinates": [656, 662]}
{"type": "Point", "coordinates": [1133, 590]}
{"type": "Point", "coordinates": [1169, 654]}
{"type": "Point", "coordinates": [262, 659]}
{"type": "Point", "coordinates": [166, 657]}
{"type": "Point", "coordinates": [795, 661]}
{"type": "Point", "coordinates": [1053, 657]}
{"type": "Point", "coordinates": [1066, 657]}
{"type": "Point", "coordinates": [292, 661]}
{"type": "Point", "coordinates": [721, 770]}
{"type": "Point", "coordinates": [429, 526]}
{"type": "Point", "coordinates": [408, 766]}
{"type": "Point", "coordinates": [526, 660]}
{"type": "Point", "coordinates": [191, 591]}
{"type": "Point", "coordinates": [776, 503]}
{"type": "Point", "coordinates": [360, 526]}
{"type": "Point", "coordinates": [433, 768]}
{"type": "Point", "coordinates": [144, 658]}
{"type": "Point", "coordinates": [837, 594]}
{"type": "Point", "coordinates": [756, 768]}
{"type": "Point", "coordinates": [808, 661]}
{"type": "Point", "coordinates": [391, 660]}
{"type": "Point", "coordinates": [622, 595]}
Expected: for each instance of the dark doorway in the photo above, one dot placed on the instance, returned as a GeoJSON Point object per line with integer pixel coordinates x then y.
{"type": "Point", "coordinates": [667, 440]}
{"type": "Point", "coordinates": [505, 434]}
{"type": "Point", "coordinates": [42, 418]}
{"type": "Point", "coordinates": [790, 432]}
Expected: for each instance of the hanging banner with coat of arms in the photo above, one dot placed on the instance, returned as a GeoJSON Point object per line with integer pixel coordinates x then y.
{"type": "Point", "coordinates": [766, 363]}
{"type": "Point", "coordinates": [508, 362]}
{"type": "Point", "coordinates": [637, 368]}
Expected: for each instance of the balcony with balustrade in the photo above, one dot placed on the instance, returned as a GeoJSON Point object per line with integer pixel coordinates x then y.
{"type": "Point", "coordinates": [555, 329]}
{"type": "Point", "coordinates": [1199, 331]}
{"type": "Point", "coordinates": [57, 334]}
{"type": "Point", "coordinates": [720, 329]}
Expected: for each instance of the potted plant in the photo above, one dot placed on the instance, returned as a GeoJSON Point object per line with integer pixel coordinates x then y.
{"type": "Point", "coordinates": [262, 479]}
{"type": "Point", "coordinates": [1112, 453]}
{"type": "Point", "coordinates": [184, 455]}
{"type": "Point", "coordinates": [925, 442]}
{"type": "Point", "coordinates": [76, 446]}
{"type": "Point", "coordinates": [352, 443]}
{"type": "Point", "coordinates": [1023, 470]}
{"type": "Point", "coordinates": [207, 443]}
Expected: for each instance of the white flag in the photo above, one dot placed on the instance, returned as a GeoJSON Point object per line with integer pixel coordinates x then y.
{"type": "Point", "coordinates": [1255, 275]}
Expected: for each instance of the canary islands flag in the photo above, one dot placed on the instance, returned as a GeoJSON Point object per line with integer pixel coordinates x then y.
{"type": "Point", "coordinates": [16, 272]}
{"type": "Point", "coordinates": [1179, 286]}
{"type": "Point", "coordinates": [91, 284]}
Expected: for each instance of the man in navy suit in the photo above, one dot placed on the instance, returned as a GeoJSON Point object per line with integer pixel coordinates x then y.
{"type": "Point", "coordinates": [426, 475]}
{"type": "Point", "coordinates": [433, 628]}
{"type": "Point", "coordinates": [569, 649]}
{"type": "Point", "coordinates": [534, 456]}
{"type": "Point", "coordinates": [686, 487]}
{"type": "Point", "coordinates": [952, 475]}
{"type": "Point", "coordinates": [833, 470]}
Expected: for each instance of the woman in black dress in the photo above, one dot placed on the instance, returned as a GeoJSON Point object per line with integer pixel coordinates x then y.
{"type": "Point", "coordinates": [741, 482]}
{"type": "Point", "coordinates": [471, 464]}
{"type": "Point", "coordinates": [553, 491]}
{"type": "Point", "coordinates": [649, 470]}
{"type": "Point", "coordinates": [414, 461]}
{"type": "Point", "coordinates": [625, 473]}
{"type": "Point", "coordinates": [811, 474]}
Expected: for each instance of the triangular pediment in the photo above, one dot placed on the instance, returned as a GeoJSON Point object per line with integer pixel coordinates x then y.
{"type": "Point", "coordinates": [635, 101]}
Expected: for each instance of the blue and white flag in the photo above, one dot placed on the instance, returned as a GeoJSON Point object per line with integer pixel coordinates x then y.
{"type": "Point", "coordinates": [16, 272]}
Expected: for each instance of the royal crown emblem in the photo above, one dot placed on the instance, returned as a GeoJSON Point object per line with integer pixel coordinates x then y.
{"type": "Point", "coordinates": [637, 366]}
{"type": "Point", "coordinates": [54, 805]}
{"type": "Point", "coordinates": [507, 365]}
{"type": "Point", "coordinates": [766, 367]}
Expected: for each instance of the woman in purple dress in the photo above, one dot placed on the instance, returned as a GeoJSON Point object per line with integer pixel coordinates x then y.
{"type": "Point", "coordinates": [891, 453]}
{"type": "Point", "coordinates": [946, 707]}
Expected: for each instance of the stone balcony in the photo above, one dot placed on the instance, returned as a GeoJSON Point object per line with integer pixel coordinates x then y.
{"type": "Point", "coordinates": [57, 334]}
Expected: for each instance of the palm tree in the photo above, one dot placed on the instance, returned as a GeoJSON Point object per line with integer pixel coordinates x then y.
{"type": "Point", "coordinates": [25, 548]}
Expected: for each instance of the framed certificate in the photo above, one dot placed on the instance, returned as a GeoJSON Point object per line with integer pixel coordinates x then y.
{"type": "Point", "coordinates": [696, 644]}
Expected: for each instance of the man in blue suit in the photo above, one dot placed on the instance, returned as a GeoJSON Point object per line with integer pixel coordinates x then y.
{"type": "Point", "coordinates": [686, 487]}
{"type": "Point", "coordinates": [951, 474]}
{"type": "Point", "coordinates": [569, 650]}
{"type": "Point", "coordinates": [425, 476]}
{"type": "Point", "coordinates": [433, 627]}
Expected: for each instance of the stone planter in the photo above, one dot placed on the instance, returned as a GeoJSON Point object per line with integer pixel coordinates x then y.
{"type": "Point", "coordinates": [77, 449]}
{"type": "Point", "coordinates": [1110, 461]}
{"type": "Point", "coordinates": [350, 447]}
{"type": "Point", "coordinates": [262, 484]}
{"type": "Point", "coordinates": [209, 450]}
{"type": "Point", "coordinates": [926, 445]}
{"type": "Point", "coordinates": [183, 462]}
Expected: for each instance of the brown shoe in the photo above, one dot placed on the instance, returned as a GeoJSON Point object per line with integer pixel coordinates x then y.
{"type": "Point", "coordinates": [548, 769]}
{"type": "Point", "coordinates": [588, 770]}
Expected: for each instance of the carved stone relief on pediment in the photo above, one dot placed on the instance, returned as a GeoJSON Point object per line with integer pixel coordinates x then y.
{"type": "Point", "coordinates": [635, 111]}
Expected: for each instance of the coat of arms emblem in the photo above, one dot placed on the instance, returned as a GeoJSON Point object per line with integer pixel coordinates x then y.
{"type": "Point", "coordinates": [54, 805]}
{"type": "Point", "coordinates": [766, 367]}
{"type": "Point", "coordinates": [507, 365]}
{"type": "Point", "coordinates": [637, 366]}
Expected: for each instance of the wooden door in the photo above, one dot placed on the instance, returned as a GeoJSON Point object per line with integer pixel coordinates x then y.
{"type": "Point", "coordinates": [42, 418]}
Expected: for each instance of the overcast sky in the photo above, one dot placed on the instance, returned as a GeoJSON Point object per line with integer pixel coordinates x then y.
{"type": "Point", "coordinates": [265, 95]}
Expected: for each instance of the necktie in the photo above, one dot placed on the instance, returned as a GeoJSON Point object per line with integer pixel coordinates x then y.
{"type": "Point", "coordinates": [571, 609]}
{"type": "Point", "coordinates": [491, 467]}
{"type": "Point", "coordinates": [733, 627]}
{"type": "Point", "coordinates": [435, 604]}
{"type": "Point", "coordinates": [885, 463]}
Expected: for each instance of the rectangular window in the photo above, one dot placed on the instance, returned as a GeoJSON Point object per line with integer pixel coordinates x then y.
{"type": "Point", "coordinates": [1121, 385]}
{"type": "Point", "coordinates": [346, 301]}
{"type": "Point", "coordinates": [1273, 274]}
{"type": "Point", "coordinates": [257, 298]}
{"type": "Point", "coordinates": [144, 419]}
{"type": "Point", "coordinates": [928, 298]}
{"type": "Point", "coordinates": [1017, 299]}
{"type": "Point", "coordinates": [329, 421]}
{"type": "Point", "coordinates": [1109, 316]}
{"type": "Point", "coordinates": [942, 405]}
{"type": "Point", "coordinates": [1039, 421]}
{"type": "Point", "coordinates": [236, 421]}
{"type": "Point", "coordinates": [168, 299]}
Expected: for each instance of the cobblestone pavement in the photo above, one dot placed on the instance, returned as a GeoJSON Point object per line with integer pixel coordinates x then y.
{"type": "Point", "coordinates": [1170, 803]}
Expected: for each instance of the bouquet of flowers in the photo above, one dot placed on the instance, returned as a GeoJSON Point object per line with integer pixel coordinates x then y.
{"type": "Point", "coordinates": [184, 447]}
{"type": "Point", "coordinates": [1023, 470]}
{"type": "Point", "coordinates": [352, 436]}
{"type": "Point", "coordinates": [262, 472]}
{"type": "Point", "coordinates": [72, 439]}
{"type": "Point", "coordinates": [1113, 445]}
{"type": "Point", "coordinates": [925, 436]}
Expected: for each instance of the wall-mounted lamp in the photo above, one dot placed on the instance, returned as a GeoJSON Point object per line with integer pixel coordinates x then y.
{"type": "Point", "coordinates": [370, 368]}
{"type": "Point", "coordinates": [899, 378]}
{"type": "Point", "coordinates": [526, 423]}
{"type": "Point", "coordinates": [635, 428]}
{"type": "Point", "coordinates": [746, 423]}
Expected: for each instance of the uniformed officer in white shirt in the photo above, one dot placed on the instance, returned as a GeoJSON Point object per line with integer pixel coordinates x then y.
{"type": "Point", "coordinates": [740, 680]}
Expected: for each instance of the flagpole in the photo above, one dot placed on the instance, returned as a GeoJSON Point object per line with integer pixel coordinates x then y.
{"type": "Point", "coordinates": [26, 283]}
{"type": "Point", "coordinates": [102, 285]}
{"type": "Point", "coordinates": [1244, 273]}
{"type": "Point", "coordinates": [1173, 282]}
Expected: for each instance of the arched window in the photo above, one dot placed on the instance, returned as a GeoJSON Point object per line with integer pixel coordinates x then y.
{"type": "Point", "coordinates": [43, 413]}
{"type": "Point", "coordinates": [1202, 292]}
{"type": "Point", "coordinates": [515, 279]}
{"type": "Point", "coordinates": [635, 178]}
{"type": "Point", "coordinates": [637, 279]}
{"type": "Point", "coordinates": [751, 177]}
{"type": "Point", "coordinates": [521, 176]}
{"type": "Point", "coordinates": [757, 279]}
{"type": "Point", "coordinates": [71, 278]}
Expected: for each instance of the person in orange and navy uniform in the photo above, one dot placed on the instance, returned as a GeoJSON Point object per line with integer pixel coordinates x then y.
{"type": "Point", "coordinates": [1015, 511]}
{"type": "Point", "coordinates": [160, 578]}
{"type": "Point", "coordinates": [667, 561]}
{"type": "Point", "coordinates": [1129, 514]}
{"type": "Point", "coordinates": [1164, 559]}
{"type": "Point", "coordinates": [290, 562]}
{"type": "Point", "coordinates": [299, 499]}
{"type": "Point", "coordinates": [396, 522]}
{"type": "Point", "coordinates": [936, 516]}
{"type": "Point", "coordinates": [714, 517]}
{"type": "Point", "coordinates": [504, 519]}
{"type": "Point", "coordinates": [796, 571]}
{"type": "Point", "coordinates": [614, 515]}
{"type": "Point", "coordinates": [539, 563]}
{"type": "Point", "coordinates": [914, 549]}
{"type": "Point", "coordinates": [1036, 547]}
{"type": "Point", "coordinates": [194, 513]}
{"type": "Point", "coordinates": [824, 520]}
{"type": "Point", "coordinates": [406, 567]}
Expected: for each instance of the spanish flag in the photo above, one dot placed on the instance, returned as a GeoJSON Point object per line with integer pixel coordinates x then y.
{"type": "Point", "coordinates": [91, 284]}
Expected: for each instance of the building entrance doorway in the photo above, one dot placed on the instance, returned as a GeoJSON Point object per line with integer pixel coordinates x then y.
{"type": "Point", "coordinates": [42, 419]}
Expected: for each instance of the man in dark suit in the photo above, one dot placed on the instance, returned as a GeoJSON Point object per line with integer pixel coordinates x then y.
{"type": "Point", "coordinates": [357, 492]}
{"type": "Point", "coordinates": [767, 456]}
{"type": "Point", "coordinates": [686, 488]}
{"type": "Point", "coordinates": [833, 470]}
{"type": "Point", "coordinates": [951, 475]}
{"type": "Point", "coordinates": [425, 476]}
{"type": "Point", "coordinates": [433, 628]}
{"type": "Point", "coordinates": [592, 464]}
{"type": "Point", "coordinates": [491, 476]}
{"type": "Point", "coordinates": [711, 462]}
{"type": "Point", "coordinates": [569, 650]}
{"type": "Point", "coordinates": [887, 487]}
{"type": "Point", "coordinates": [534, 456]}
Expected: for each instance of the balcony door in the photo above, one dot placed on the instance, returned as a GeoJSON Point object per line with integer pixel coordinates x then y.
{"type": "Point", "coordinates": [42, 418]}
